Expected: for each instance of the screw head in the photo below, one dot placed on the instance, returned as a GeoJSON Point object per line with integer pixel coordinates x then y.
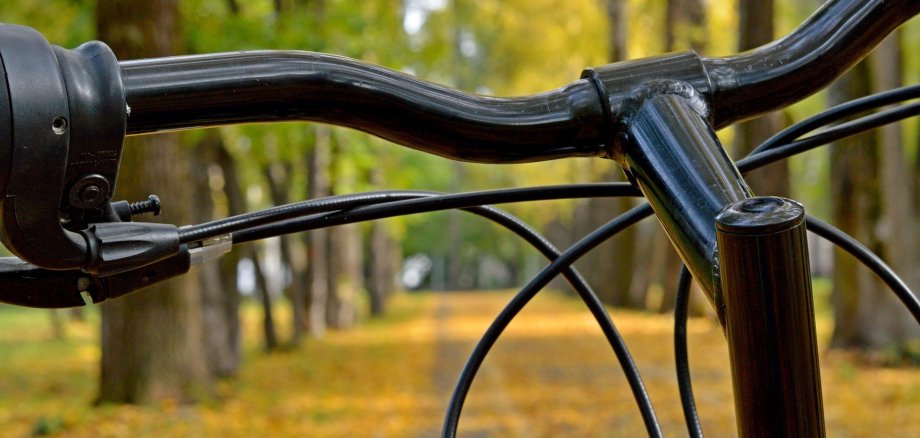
{"type": "Point", "coordinates": [90, 191]}
{"type": "Point", "coordinates": [59, 125]}
{"type": "Point", "coordinates": [90, 194]}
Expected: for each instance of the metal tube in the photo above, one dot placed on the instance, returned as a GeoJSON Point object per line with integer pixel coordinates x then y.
{"type": "Point", "coordinates": [193, 91]}
{"type": "Point", "coordinates": [261, 86]}
{"type": "Point", "coordinates": [769, 318]}
{"type": "Point", "coordinates": [676, 160]}
{"type": "Point", "coordinates": [825, 46]}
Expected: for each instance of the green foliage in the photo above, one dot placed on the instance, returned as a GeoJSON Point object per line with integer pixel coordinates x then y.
{"type": "Point", "coordinates": [67, 23]}
{"type": "Point", "coordinates": [368, 30]}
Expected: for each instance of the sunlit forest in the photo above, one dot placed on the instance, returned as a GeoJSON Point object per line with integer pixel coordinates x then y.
{"type": "Point", "coordinates": [362, 329]}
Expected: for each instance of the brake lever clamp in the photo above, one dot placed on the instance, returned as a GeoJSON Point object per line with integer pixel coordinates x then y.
{"type": "Point", "coordinates": [24, 284]}
{"type": "Point", "coordinates": [62, 125]}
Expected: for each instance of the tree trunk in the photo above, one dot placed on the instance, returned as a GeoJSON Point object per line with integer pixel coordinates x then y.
{"type": "Point", "coordinates": [454, 240]}
{"type": "Point", "coordinates": [219, 297]}
{"type": "Point", "coordinates": [58, 329]}
{"type": "Point", "coordinates": [346, 267]}
{"type": "Point", "coordinates": [236, 204]}
{"type": "Point", "coordinates": [685, 25]}
{"type": "Point", "coordinates": [854, 188]}
{"type": "Point", "coordinates": [609, 267]}
{"type": "Point", "coordinates": [867, 316]}
{"type": "Point", "coordinates": [899, 221]}
{"type": "Point", "coordinates": [317, 240]}
{"type": "Point", "coordinates": [616, 16]}
{"type": "Point", "coordinates": [384, 259]}
{"type": "Point", "coordinates": [265, 297]}
{"type": "Point", "coordinates": [278, 177]}
{"type": "Point", "coordinates": [347, 273]}
{"type": "Point", "coordinates": [755, 28]}
{"type": "Point", "coordinates": [151, 340]}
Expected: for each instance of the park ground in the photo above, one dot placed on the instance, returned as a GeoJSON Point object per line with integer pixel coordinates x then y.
{"type": "Point", "coordinates": [551, 374]}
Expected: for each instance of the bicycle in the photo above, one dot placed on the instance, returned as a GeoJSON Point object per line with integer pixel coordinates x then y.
{"type": "Point", "coordinates": [655, 116]}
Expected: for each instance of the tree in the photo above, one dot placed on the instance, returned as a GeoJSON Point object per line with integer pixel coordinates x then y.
{"type": "Point", "coordinates": [318, 240]}
{"type": "Point", "coordinates": [685, 25]}
{"type": "Point", "coordinates": [383, 259]}
{"type": "Point", "coordinates": [151, 341]}
{"type": "Point", "coordinates": [685, 28]}
{"type": "Point", "coordinates": [220, 298]}
{"type": "Point", "coordinates": [277, 175]}
{"type": "Point", "coordinates": [346, 264]}
{"type": "Point", "coordinates": [755, 28]}
{"type": "Point", "coordinates": [900, 218]}
{"type": "Point", "coordinates": [870, 191]}
{"type": "Point", "coordinates": [609, 267]}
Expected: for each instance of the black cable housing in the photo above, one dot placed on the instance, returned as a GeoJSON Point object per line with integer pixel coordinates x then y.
{"type": "Point", "coordinates": [681, 360]}
{"type": "Point", "coordinates": [416, 202]}
{"type": "Point", "coordinates": [838, 132]}
{"type": "Point", "coordinates": [378, 205]}
{"type": "Point", "coordinates": [491, 335]}
{"type": "Point", "coordinates": [839, 112]}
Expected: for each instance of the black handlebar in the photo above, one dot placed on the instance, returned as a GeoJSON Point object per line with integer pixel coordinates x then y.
{"type": "Point", "coordinates": [192, 91]}
{"type": "Point", "coordinates": [785, 71]}
{"type": "Point", "coordinates": [205, 90]}
{"type": "Point", "coordinates": [60, 140]}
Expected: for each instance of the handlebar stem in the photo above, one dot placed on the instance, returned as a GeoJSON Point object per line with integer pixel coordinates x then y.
{"type": "Point", "coordinates": [673, 155]}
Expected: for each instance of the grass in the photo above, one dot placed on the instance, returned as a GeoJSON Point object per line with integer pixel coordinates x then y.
{"type": "Point", "coordinates": [551, 374]}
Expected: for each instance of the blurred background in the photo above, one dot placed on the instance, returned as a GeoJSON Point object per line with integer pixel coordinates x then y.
{"type": "Point", "coordinates": [362, 329]}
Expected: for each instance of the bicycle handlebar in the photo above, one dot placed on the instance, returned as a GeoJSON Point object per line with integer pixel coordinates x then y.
{"type": "Point", "coordinates": [192, 91]}
{"type": "Point", "coordinates": [805, 61]}
{"type": "Point", "coordinates": [60, 142]}
{"type": "Point", "coordinates": [204, 90]}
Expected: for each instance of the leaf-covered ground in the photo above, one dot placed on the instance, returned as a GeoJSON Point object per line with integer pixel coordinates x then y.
{"type": "Point", "coordinates": [552, 374]}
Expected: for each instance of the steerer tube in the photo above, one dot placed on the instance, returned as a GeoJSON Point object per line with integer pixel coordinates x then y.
{"type": "Point", "coordinates": [769, 318]}
{"type": "Point", "coordinates": [749, 254]}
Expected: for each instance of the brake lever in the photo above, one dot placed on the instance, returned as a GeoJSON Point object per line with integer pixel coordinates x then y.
{"type": "Point", "coordinates": [24, 284]}
{"type": "Point", "coordinates": [62, 125]}
{"type": "Point", "coordinates": [62, 145]}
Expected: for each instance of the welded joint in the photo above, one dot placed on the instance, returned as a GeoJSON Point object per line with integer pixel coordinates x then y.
{"type": "Point", "coordinates": [665, 142]}
{"type": "Point", "coordinates": [618, 120]}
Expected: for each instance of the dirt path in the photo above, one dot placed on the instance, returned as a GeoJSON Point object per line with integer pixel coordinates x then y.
{"type": "Point", "coordinates": [453, 347]}
{"type": "Point", "coordinates": [553, 374]}
{"type": "Point", "coordinates": [550, 374]}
